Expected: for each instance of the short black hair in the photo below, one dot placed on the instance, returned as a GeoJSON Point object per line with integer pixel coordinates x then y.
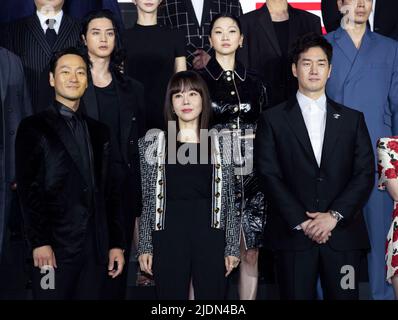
{"type": "Point", "coordinates": [311, 40]}
{"type": "Point", "coordinates": [72, 50]}
{"type": "Point", "coordinates": [225, 15]}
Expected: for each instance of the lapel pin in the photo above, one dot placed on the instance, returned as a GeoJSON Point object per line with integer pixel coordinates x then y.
{"type": "Point", "coordinates": [336, 115]}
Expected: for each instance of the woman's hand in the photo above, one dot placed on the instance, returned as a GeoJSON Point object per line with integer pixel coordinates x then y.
{"type": "Point", "coordinates": [231, 262]}
{"type": "Point", "coordinates": [145, 261]}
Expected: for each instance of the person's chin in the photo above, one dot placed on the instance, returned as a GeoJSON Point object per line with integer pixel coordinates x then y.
{"type": "Point", "coordinates": [361, 20]}
{"type": "Point", "coordinates": [104, 54]}
{"type": "Point", "coordinates": [227, 51]}
{"type": "Point", "coordinates": [74, 97]}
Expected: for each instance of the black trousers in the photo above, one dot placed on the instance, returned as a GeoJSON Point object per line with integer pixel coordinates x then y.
{"type": "Point", "coordinates": [298, 271]}
{"type": "Point", "coordinates": [116, 288]}
{"type": "Point", "coordinates": [81, 279]}
{"type": "Point", "coordinates": [189, 248]}
{"type": "Point", "coordinates": [13, 271]}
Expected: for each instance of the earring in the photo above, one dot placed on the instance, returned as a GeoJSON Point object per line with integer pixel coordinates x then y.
{"type": "Point", "coordinates": [241, 45]}
{"type": "Point", "coordinates": [173, 111]}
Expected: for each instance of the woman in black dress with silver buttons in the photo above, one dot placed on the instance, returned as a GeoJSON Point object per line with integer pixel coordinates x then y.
{"type": "Point", "coordinates": [238, 98]}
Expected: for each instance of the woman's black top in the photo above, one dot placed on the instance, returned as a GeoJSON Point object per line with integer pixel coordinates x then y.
{"type": "Point", "coordinates": [189, 181]}
{"type": "Point", "coordinates": [150, 58]}
{"type": "Point", "coordinates": [282, 34]}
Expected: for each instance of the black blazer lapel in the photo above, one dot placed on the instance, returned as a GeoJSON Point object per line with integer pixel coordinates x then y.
{"type": "Point", "coordinates": [207, 10]}
{"type": "Point", "coordinates": [34, 26]}
{"type": "Point", "coordinates": [333, 122]}
{"type": "Point", "coordinates": [380, 12]}
{"type": "Point", "coordinates": [90, 105]}
{"type": "Point", "coordinates": [191, 11]}
{"type": "Point", "coordinates": [59, 126]}
{"type": "Point", "coordinates": [4, 75]}
{"type": "Point", "coordinates": [296, 121]}
{"type": "Point", "coordinates": [125, 113]}
{"type": "Point", "coordinates": [266, 23]}
{"type": "Point", "coordinates": [294, 26]}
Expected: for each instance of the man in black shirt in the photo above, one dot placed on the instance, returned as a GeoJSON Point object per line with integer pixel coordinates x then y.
{"type": "Point", "coordinates": [70, 206]}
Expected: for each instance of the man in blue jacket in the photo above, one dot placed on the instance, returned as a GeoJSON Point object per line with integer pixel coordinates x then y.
{"type": "Point", "coordinates": [365, 77]}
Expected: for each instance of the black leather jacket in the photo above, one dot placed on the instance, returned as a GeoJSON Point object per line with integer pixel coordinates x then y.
{"type": "Point", "coordinates": [238, 96]}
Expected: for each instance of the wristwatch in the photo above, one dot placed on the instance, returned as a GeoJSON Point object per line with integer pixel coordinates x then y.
{"type": "Point", "coordinates": [336, 215]}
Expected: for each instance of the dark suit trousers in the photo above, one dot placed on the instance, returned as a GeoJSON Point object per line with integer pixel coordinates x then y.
{"type": "Point", "coordinates": [298, 271]}
{"type": "Point", "coordinates": [116, 289]}
{"type": "Point", "coordinates": [80, 279]}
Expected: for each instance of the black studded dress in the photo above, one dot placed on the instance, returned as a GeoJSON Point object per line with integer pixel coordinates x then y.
{"type": "Point", "coordinates": [238, 97]}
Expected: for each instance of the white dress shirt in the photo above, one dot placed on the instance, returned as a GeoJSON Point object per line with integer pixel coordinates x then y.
{"type": "Point", "coordinates": [57, 18]}
{"type": "Point", "coordinates": [314, 114]}
{"type": "Point", "coordinates": [198, 7]}
{"type": "Point", "coordinates": [372, 16]}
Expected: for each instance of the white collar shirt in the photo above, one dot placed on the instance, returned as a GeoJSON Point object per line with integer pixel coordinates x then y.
{"type": "Point", "coordinates": [57, 18]}
{"type": "Point", "coordinates": [198, 7]}
{"type": "Point", "coordinates": [314, 114]}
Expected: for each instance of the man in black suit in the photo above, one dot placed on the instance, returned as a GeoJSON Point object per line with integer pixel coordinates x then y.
{"type": "Point", "coordinates": [383, 20]}
{"type": "Point", "coordinates": [70, 205]}
{"type": "Point", "coordinates": [35, 38]}
{"type": "Point", "coordinates": [121, 106]}
{"type": "Point", "coordinates": [193, 17]}
{"type": "Point", "coordinates": [315, 160]}
{"type": "Point", "coordinates": [270, 32]}
{"type": "Point", "coordinates": [14, 106]}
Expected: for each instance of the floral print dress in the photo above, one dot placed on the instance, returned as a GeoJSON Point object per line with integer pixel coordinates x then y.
{"type": "Point", "coordinates": [387, 154]}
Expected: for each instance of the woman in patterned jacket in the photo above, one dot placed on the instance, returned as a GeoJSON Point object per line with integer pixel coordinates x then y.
{"type": "Point", "coordinates": [188, 227]}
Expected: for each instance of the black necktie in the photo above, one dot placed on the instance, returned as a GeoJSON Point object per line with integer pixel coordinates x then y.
{"type": "Point", "coordinates": [51, 35]}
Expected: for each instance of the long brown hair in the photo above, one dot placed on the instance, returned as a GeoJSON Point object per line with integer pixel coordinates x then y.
{"type": "Point", "coordinates": [185, 81]}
